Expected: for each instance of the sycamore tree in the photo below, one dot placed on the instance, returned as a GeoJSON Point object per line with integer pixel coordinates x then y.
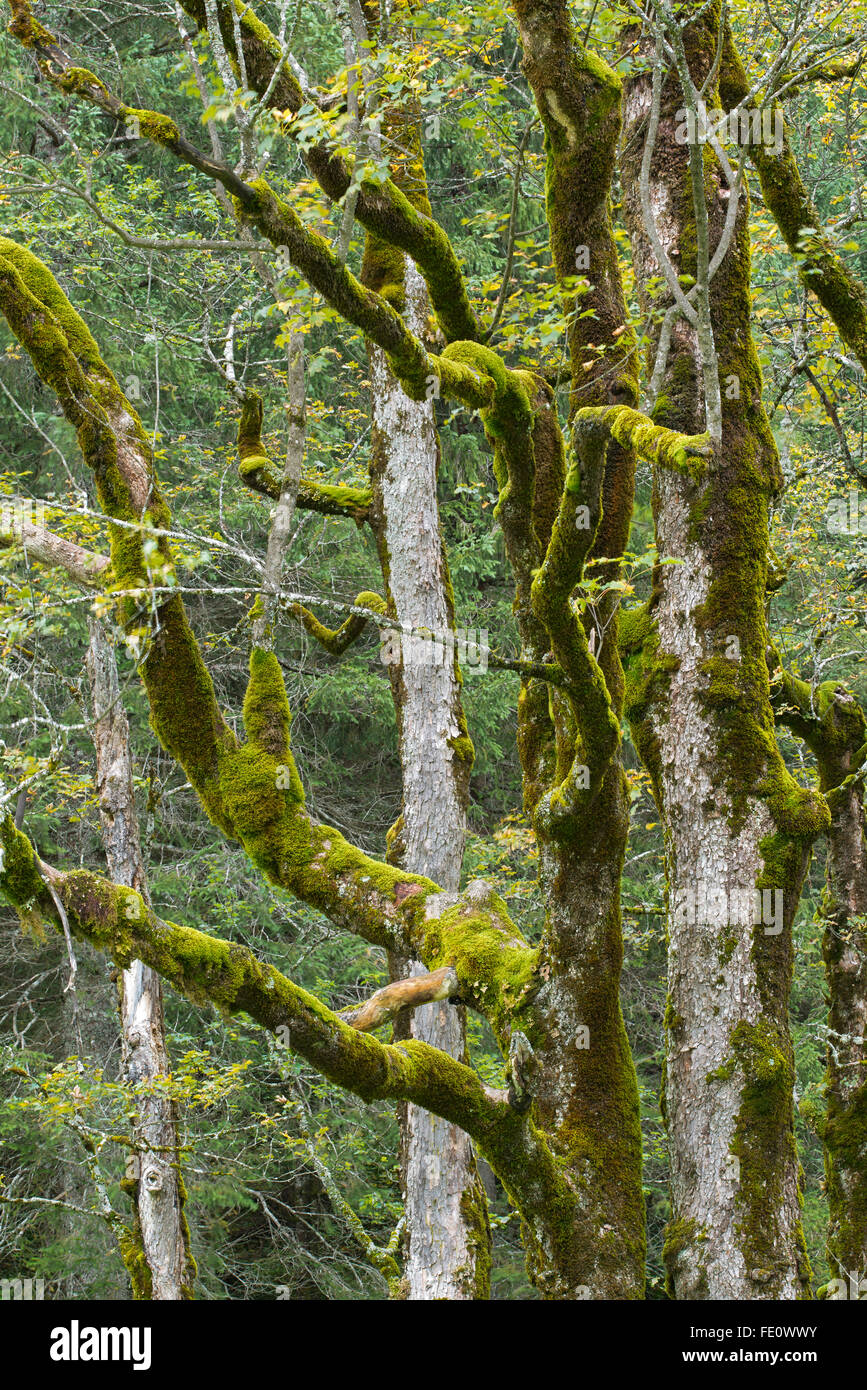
{"type": "Point", "coordinates": [659, 128]}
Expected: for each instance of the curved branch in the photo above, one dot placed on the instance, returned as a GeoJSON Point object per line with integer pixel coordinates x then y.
{"type": "Point", "coordinates": [400, 995]}
{"type": "Point", "coordinates": [338, 640]}
{"type": "Point", "coordinates": [117, 921]}
{"type": "Point", "coordinates": [120, 922]}
{"type": "Point", "coordinates": [687, 453]}
{"type": "Point", "coordinates": [251, 791]}
{"type": "Point", "coordinates": [262, 475]}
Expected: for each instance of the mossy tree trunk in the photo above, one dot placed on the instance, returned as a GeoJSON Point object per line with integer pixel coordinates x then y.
{"type": "Point", "coordinates": [831, 722]}
{"type": "Point", "coordinates": [844, 947]}
{"type": "Point", "coordinates": [564, 1137]}
{"type": "Point", "coordinates": [734, 820]}
{"type": "Point", "coordinates": [585, 1090]}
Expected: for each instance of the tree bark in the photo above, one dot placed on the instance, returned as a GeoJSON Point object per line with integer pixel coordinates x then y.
{"type": "Point", "coordinates": [831, 722]}
{"type": "Point", "coordinates": [584, 1088]}
{"type": "Point", "coordinates": [734, 820]}
{"type": "Point", "coordinates": [844, 948]}
{"type": "Point", "coordinates": [447, 1229]}
{"type": "Point", "coordinates": [158, 1257]}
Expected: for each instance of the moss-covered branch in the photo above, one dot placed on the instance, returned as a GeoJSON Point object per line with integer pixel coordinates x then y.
{"type": "Point", "coordinates": [688, 453]}
{"type": "Point", "coordinates": [117, 921]}
{"type": "Point", "coordinates": [276, 220]}
{"type": "Point", "coordinates": [251, 790]}
{"type": "Point", "coordinates": [114, 446]}
{"type": "Point", "coordinates": [598, 731]}
{"type": "Point", "coordinates": [109, 432]}
{"type": "Point", "coordinates": [337, 640]}
{"type": "Point", "coordinates": [827, 717]}
{"type": "Point", "coordinates": [831, 722]}
{"type": "Point", "coordinates": [578, 98]}
{"type": "Point", "coordinates": [383, 209]}
{"type": "Point", "coordinates": [572, 540]}
{"type": "Point", "coordinates": [260, 473]}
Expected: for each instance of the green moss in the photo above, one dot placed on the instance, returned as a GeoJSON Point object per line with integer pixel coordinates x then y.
{"type": "Point", "coordinates": [66, 357]}
{"type": "Point", "coordinates": [634, 627]}
{"type": "Point", "coordinates": [680, 1235]}
{"type": "Point", "coordinates": [191, 1269]}
{"type": "Point", "coordinates": [415, 231]}
{"type": "Point", "coordinates": [257, 806]}
{"type": "Point", "coordinates": [476, 1279]}
{"type": "Point", "coordinates": [317, 495]}
{"type": "Point", "coordinates": [153, 125]}
{"type": "Point", "coordinates": [763, 1139]}
{"type": "Point", "coordinates": [20, 879]}
{"type": "Point", "coordinates": [596, 67]}
{"type": "Point", "coordinates": [42, 284]}
{"type": "Point", "coordinates": [647, 676]}
{"type": "Point", "coordinates": [496, 969]}
{"type": "Point", "coordinates": [184, 713]}
{"type": "Point", "coordinates": [28, 30]}
{"type": "Point", "coordinates": [684, 452]}
{"type": "Point", "coordinates": [267, 717]}
{"type": "Point", "coordinates": [462, 747]}
{"type": "Point", "coordinates": [337, 640]}
{"type": "Point", "coordinates": [367, 599]}
{"type": "Point", "coordinates": [384, 271]}
{"type": "Point", "coordinates": [844, 1134]}
{"type": "Point", "coordinates": [135, 1260]}
{"type": "Point", "coordinates": [727, 945]}
{"type": "Point", "coordinates": [250, 451]}
{"type": "Point", "coordinates": [671, 1019]}
{"type": "Point", "coordinates": [81, 81]}
{"type": "Point", "coordinates": [821, 270]}
{"type": "Point", "coordinates": [102, 913]}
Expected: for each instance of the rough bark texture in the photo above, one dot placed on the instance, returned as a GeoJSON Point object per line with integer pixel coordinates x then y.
{"type": "Point", "coordinates": [447, 1233]}
{"type": "Point", "coordinates": [158, 1257]}
{"type": "Point", "coordinates": [733, 819]}
{"type": "Point", "coordinates": [845, 951]}
{"type": "Point", "coordinates": [830, 720]}
{"type": "Point", "coordinates": [584, 1086]}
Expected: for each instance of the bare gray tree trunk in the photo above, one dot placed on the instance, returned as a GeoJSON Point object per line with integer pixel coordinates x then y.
{"type": "Point", "coordinates": [161, 1268]}
{"type": "Point", "coordinates": [448, 1234]}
